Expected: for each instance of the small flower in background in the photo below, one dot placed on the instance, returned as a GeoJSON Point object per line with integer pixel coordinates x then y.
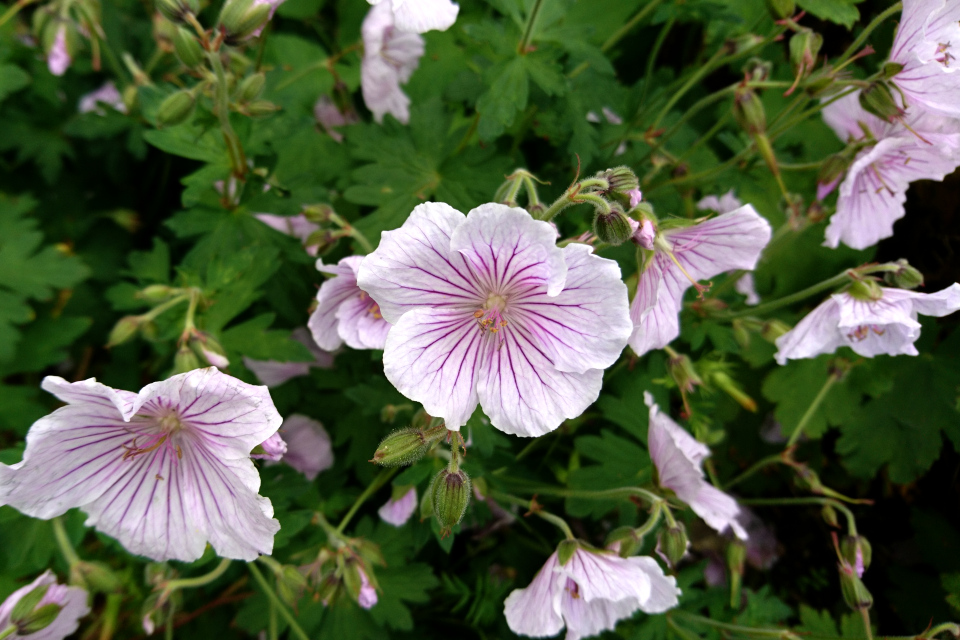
{"type": "Point", "coordinates": [679, 458]}
{"type": "Point", "coordinates": [271, 449]}
{"type": "Point", "coordinates": [345, 313]}
{"type": "Point", "coordinates": [588, 594]}
{"type": "Point", "coordinates": [274, 5]}
{"type": "Point", "coordinates": [368, 594]}
{"type": "Point", "coordinates": [390, 56]}
{"type": "Point", "coordinates": [487, 309]}
{"type": "Point", "coordinates": [298, 226]}
{"type": "Point", "coordinates": [882, 323]}
{"type": "Point", "coordinates": [58, 56]}
{"type": "Point", "coordinates": [163, 471]}
{"type": "Point", "coordinates": [925, 46]}
{"type": "Point", "coordinates": [55, 612]}
{"type": "Point", "coordinates": [399, 508]}
{"type": "Point", "coordinates": [273, 373]}
{"type": "Point", "coordinates": [308, 447]}
{"type": "Point", "coordinates": [330, 116]}
{"type": "Point", "coordinates": [874, 187]}
{"type": "Point", "coordinates": [682, 257]}
{"type": "Point", "coordinates": [106, 95]}
{"type": "Point", "coordinates": [420, 16]}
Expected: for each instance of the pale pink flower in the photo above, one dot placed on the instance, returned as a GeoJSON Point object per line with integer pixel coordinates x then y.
{"type": "Point", "coordinates": [308, 448]}
{"type": "Point", "coordinates": [273, 449]}
{"type": "Point", "coordinates": [398, 510]}
{"type": "Point", "coordinates": [390, 56]}
{"type": "Point", "coordinates": [745, 286]}
{"type": "Point", "coordinates": [721, 204]}
{"type": "Point", "coordinates": [684, 255]}
{"type": "Point", "coordinates": [71, 600]}
{"type": "Point", "coordinates": [874, 187]}
{"type": "Point", "coordinates": [163, 471]}
{"type": "Point", "coordinates": [273, 373]}
{"type": "Point", "coordinates": [216, 359]}
{"type": "Point", "coordinates": [274, 4]}
{"type": "Point", "coordinates": [345, 313]}
{"type": "Point", "coordinates": [329, 116]}
{"type": "Point", "coordinates": [368, 595]}
{"type": "Point", "coordinates": [636, 196]}
{"type": "Point", "coordinates": [487, 309]}
{"type": "Point", "coordinates": [58, 58]}
{"type": "Point", "coordinates": [589, 594]}
{"type": "Point", "coordinates": [869, 327]}
{"type": "Point", "coordinates": [298, 226]}
{"type": "Point", "coordinates": [678, 457]}
{"type": "Point", "coordinates": [106, 95]}
{"type": "Point", "coordinates": [924, 45]}
{"type": "Point", "coordinates": [420, 16]}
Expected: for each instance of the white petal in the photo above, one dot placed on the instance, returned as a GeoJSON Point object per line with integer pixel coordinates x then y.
{"type": "Point", "coordinates": [730, 241]}
{"type": "Point", "coordinates": [718, 509]}
{"type": "Point", "coordinates": [431, 357]}
{"type": "Point", "coordinates": [380, 84]}
{"type": "Point", "coordinates": [334, 292]}
{"type": "Point", "coordinates": [587, 325]}
{"type": "Point", "coordinates": [273, 373]}
{"type": "Point", "coordinates": [360, 324]}
{"type": "Point", "coordinates": [606, 576]}
{"type": "Point", "coordinates": [845, 116]}
{"type": "Point", "coordinates": [654, 309]}
{"type": "Point", "coordinates": [723, 204]}
{"type": "Point", "coordinates": [90, 391]}
{"type": "Point", "coordinates": [535, 610]}
{"type": "Point", "coordinates": [669, 435]}
{"type": "Point", "coordinates": [817, 333]}
{"type": "Point", "coordinates": [420, 16]}
{"type": "Point", "coordinates": [309, 449]}
{"type": "Point", "coordinates": [664, 592]}
{"type": "Point", "coordinates": [585, 619]}
{"type": "Point", "coordinates": [414, 266]}
{"type": "Point", "coordinates": [939, 304]}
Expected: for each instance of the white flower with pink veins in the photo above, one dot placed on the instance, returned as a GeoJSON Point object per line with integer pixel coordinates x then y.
{"type": "Point", "coordinates": [420, 16]}
{"type": "Point", "coordinates": [390, 56]}
{"type": "Point", "coordinates": [874, 188]}
{"type": "Point", "coordinates": [487, 309]}
{"type": "Point", "coordinates": [163, 471]}
{"type": "Point", "coordinates": [885, 325]}
{"type": "Point", "coordinates": [926, 45]}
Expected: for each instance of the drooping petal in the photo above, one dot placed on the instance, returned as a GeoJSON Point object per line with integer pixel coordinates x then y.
{"type": "Point", "coordinates": [664, 593]}
{"type": "Point", "coordinates": [105, 95]}
{"type": "Point", "coordinates": [587, 324]}
{"type": "Point", "coordinates": [380, 85]}
{"type": "Point", "coordinates": [669, 436]}
{"type": "Point", "coordinates": [397, 512]}
{"type": "Point", "coordinates": [602, 575]}
{"type": "Point", "coordinates": [939, 304]}
{"type": "Point", "coordinates": [420, 16]}
{"type": "Point", "coordinates": [535, 610]}
{"type": "Point", "coordinates": [414, 266]}
{"type": "Point", "coordinates": [745, 286]}
{"type": "Point", "coordinates": [585, 619]}
{"type": "Point", "coordinates": [72, 600]}
{"type": "Point", "coordinates": [509, 252]}
{"type": "Point", "coordinates": [716, 508]}
{"type": "Point", "coordinates": [431, 356]}
{"type": "Point", "coordinates": [817, 333]}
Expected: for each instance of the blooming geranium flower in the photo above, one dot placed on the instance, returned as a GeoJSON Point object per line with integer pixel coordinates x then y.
{"type": "Point", "coordinates": [68, 604]}
{"type": "Point", "coordinates": [344, 312]}
{"type": "Point", "coordinates": [926, 46]}
{"type": "Point", "coordinates": [588, 594]}
{"type": "Point", "coordinates": [298, 226]}
{"type": "Point", "coordinates": [105, 95]}
{"type": "Point", "coordinates": [390, 56]}
{"type": "Point", "coordinates": [398, 510]}
{"type": "Point", "coordinates": [684, 255]}
{"type": "Point", "coordinates": [744, 285]}
{"type": "Point", "coordinates": [870, 327]}
{"type": "Point", "coordinates": [486, 308]}
{"type": "Point", "coordinates": [420, 16]}
{"type": "Point", "coordinates": [875, 186]}
{"type": "Point", "coordinates": [58, 58]}
{"type": "Point", "coordinates": [163, 471]}
{"type": "Point", "coordinates": [308, 448]}
{"type": "Point", "coordinates": [678, 458]}
{"type": "Point", "coordinates": [273, 373]}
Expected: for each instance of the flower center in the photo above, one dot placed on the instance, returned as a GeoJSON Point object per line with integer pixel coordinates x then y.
{"type": "Point", "coordinates": [141, 443]}
{"type": "Point", "coordinates": [943, 51]}
{"type": "Point", "coordinates": [862, 332]}
{"type": "Point", "coordinates": [491, 315]}
{"type": "Point", "coordinates": [573, 588]}
{"type": "Point", "coordinates": [374, 308]}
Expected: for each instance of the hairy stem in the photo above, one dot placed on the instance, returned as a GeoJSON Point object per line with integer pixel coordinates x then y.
{"type": "Point", "coordinates": [876, 22]}
{"type": "Point", "coordinates": [60, 533]}
{"type": "Point", "coordinates": [378, 482]}
{"type": "Point", "coordinates": [812, 409]}
{"type": "Point", "coordinates": [528, 31]}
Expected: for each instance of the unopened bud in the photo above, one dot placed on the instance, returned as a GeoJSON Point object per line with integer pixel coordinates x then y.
{"type": "Point", "coordinates": [749, 112]}
{"type": "Point", "coordinates": [451, 495]}
{"type": "Point", "coordinates": [290, 584]}
{"type": "Point", "coordinates": [622, 180]}
{"type": "Point", "coordinates": [780, 9]}
{"type": "Point", "coordinates": [645, 234]}
{"type": "Point", "coordinates": [125, 329]}
{"type": "Point", "coordinates": [612, 227]}
{"type": "Point", "coordinates": [251, 87]}
{"type": "Point", "coordinates": [683, 372]}
{"type": "Point", "coordinates": [241, 18]}
{"type": "Point", "coordinates": [175, 108]}
{"type": "Point", "coordinates": [210, 350]}
{"type": "Point", "coordinates": [728, 385]}
{"type": "Point", "coordinates": [878, 99]}
{"type": "Point", "coordinates": [673, 543]}
{"type": "Point", "coordinates": [905, 277]}
{"type": "Point", "coordinates": [740, 332]}
{"type": "Point", "coordinates": [773, 329]}
{"type": "Point", "coordinates": [757, 69]}
{"type": "Point", "coordinates": [625, 541]}
{"type": "Point", "coordinates": [403, 447]}
{"type": "Point", "coordinates": [866, 289]}
{"type": "Point", "coordinates": [855, 594]}
{"type": "Point", "coordinates": [94, 576]}
{"type": "Point", "coordinates": [187, 48]}
{"type": "Point", "coordinates": [858, 553]}
{"type": "Point", "coordinates": [804, 48]}
{"type": "Point", "coordinates": [176, 10]}
{"type": "Point", "coordinates": [829, 515]}
{"type": "Point", "coordinates": [742, 43]}
{"type": "Point", "coordinates": [39, 619]}
{"type": "Point", "coordinates": [155, 293]}
{"type": "Point", "coordinates": [185, 360]}
{"type": "Point", "coordinates": [261, 108]}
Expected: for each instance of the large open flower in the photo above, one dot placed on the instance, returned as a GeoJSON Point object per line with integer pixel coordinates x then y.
{"type": "Point", "coordinates": [163, 471]}
{"type": "Point", "coordinates": [486, 308]}
{"type": "Point", "coordinates": [926, 45]}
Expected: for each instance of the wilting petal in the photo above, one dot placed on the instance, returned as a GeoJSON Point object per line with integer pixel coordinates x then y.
{"type": "Point", "coordinates": [587, 324]}
{"type": "Point", "coordinates": [817, 333]}
{"type": "Point", "coordinates": [431, 356]}
{"type": "Point", "coordinates": [309, 450]}
{"type": "Point", "coordinates": [414, 266]}
{"type": "Point", "coordinates": [398, 511]}
{"type": "Point", "coordinates": [535, 610]}
{"type": "Point", "coordinates": [664, 593]}
{"type": "Point", "coordinates": [72, 600]}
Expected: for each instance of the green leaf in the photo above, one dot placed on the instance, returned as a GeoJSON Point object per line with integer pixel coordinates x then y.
{"type": "Point", "coordinates": [842, 12]}
{"type": "Point", "coordinates": [507, 96]}
{"type": "Point", "coordinates": [401, 584]}
{"type": "Point", "coordinates": [252, 338]}
{"type": "Point", "coordinates": [12, 79]}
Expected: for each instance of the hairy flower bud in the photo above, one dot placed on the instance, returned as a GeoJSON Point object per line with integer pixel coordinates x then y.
{"type": "Point", "coordinates": [673, 542]}
{"type": "Point", "coordinates": [451, 495]}
{"type": "Point", "coordinates": [94, 576]}
{"type": "Point", "coordinates": [176, 108]}
{"type": "Point", "coordinates": [186, 47]}
{"type": "Point", "coordinates": [251, 87]}
{"type": "Point", "coordinates": [185, 360]}
{"type": "Point", "coordinates": [241, 18]}
{"type": "Point", "coordinates": [405, 446]}
{"type": "Point", "coordinates": [804, 48]}
{"type": "Point", "coordinates": [878, 99]}
{"type": "Point", "coordinates": [622, 180]}
{"type": "Point", "coordinates": [612, 227]}
{"type": "Point", "coordinates": [780, 9]}
{"type": "Point", "coordinates": [831, 171]}
{"type": "Point", "coordinates": [857, 551]}
{"type": "Point", "coordinates": [683, 373]}
{"type": "Point", "coordinates": [757, 69]}
{"type": "Point", "coordinates": [261, 108]}
{"type": "Point", "coordinates": [124, 330]}
{"type": "Point", "coordinates": [156, 293]}
{"type": "Point", "coordinates": [855, 594]}
{"type": "Point", "coordinates": [290, 584]}
{"type": "Point", "coordinates": [905, 277]}
{"type": "Point", "coordinates": [625, 541]}
{"type": "Point", "coordinates": [749, 112]}
{"type": "Point", "coordinates": [176, 10]}
{"type": "Point", "coordinates": [829, 515]}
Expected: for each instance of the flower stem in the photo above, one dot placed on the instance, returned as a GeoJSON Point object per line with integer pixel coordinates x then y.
{"type": "Point", "coordinates": [836, 504]}
{"type": "Point", "coordinates": [866, 623]}
{"type": "Point", "coordinates": [9, 631]}
{"type": "Point", "coordinates": [354, 233]}
{"type": "Point", "coordinates": [524, 45]}
{"type": "Point", "coordinates": [110, 614]}
{"type": "Point", "coordinates": [603, 494]}
{"type": "Point", "coordinates": [275, 601]}
{"type": "Point", "coordinates": [726, 626]}
{"type": "Point", "coordinates": [628, 26]}
{"type": "Point", "coordinates": [773, 305]}
{"type": "Point", "coordinates": [9, 13]}
{"type": "Point", "coordinates": [557, 521]}
{"type": "Point", "coordinates": [199, 581]}
{"type": "Point", "coordinates": [757, 466]}
{"type": "Point", "coordinates": [378, 482]}
{"type": "Point", "coordinates": [812, 409]}
{"type": "Point", "coordinates": [161, 308]}
{"type": "Point", "coordinates": [238, 163]}
{"type": "Point", "coordinates": [876, 22]}
{"type": "Point", "coordinates": [692, 81]}
{"type": "Point", "coordinates": [64, 542]}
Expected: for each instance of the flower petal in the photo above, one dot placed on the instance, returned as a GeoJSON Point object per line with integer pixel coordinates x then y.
{"type": "Point", "coordinates": [397, 512]}
{"type": "Point", "coordinates": [72, 600]}
{"type": "Point", "coordinates": [654, 310]}
{"type": "Point", "coordinates": [585, 619]}
{"type": "Point", "coordinates": [535, 610]}
{"type": "Point", "coordinates": [817, 333]}
{"type": "Point", "coordinates": [730, 241]}
{"type": "Point", "coordinates": [360, 324]}
{"type": "Point", "coordinates": [664, 592]}
{"type": "Point", "coordinates": [309, 449]}
{"type": "Point", "coordinates": [939, 304]}
{"type": "Point", "coordinates": [420, 16]}
{"type": "Point", "coordinates": [602, 575]}
{"type": "Point", "coordinates": [323, 323]}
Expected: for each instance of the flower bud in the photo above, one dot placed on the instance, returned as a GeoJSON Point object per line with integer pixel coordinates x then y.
{"type": "Point", "coordinates": [683, 373]}
{"type": "Point", "coordinates": [736, 555]}
{"type": "Point", "coordinates": [155, 293]}
{"type": "Point", "coordinates": [829, 515]}
{"type": "Point", "coordinates": [565, 550]}
{"type": "Point", "coordinates": [251, 87]}
{"type": "Point", "coordinates": [176, 10]}
{"type": "Point", "coordinates": [125, 329]}
{"type": "Point", "coordinates": [403, 447]}
{"type": "Point", "coordinates": [854, 592]}
{"type": "Point", "coordinates": [804, 48]}
{"type": "Point", "coordinates": [175, 108]}
{"type": "Point", "coordinates": [749, 112]}
{"type": "Point", "coordinates": [451, 495]}
{"type": "Point", "coordinates": [261, 108]}
{"type": "Point", "coordinates": [742, 43]}
{"type": "Point", "coordinates": [625, 541]}
{"type": "Point", "coordinates": [210, 350]}
{"type": "Point", "coordinates": [673, 543]}
{"type": "Point", "coordinates": [728, 385]}
{"type": "Point", "coordinates": [241, 18]}
{"type": "Point", "coordinates": [94, 576]}
{"type": "Point", "coordinates": [757, 69]}
{"type": "Point", "coordinates": [858, 553]}
{"type": "Point", "coordinates": [186, 47]}
{"type": "Point", "coordinates": [866, 289]}
{"type": "Point", "coordinates": [773, 329]}
{"type": "Point", "coordinates": [878, 99]}
{"type": "Point", "coordinates": [622, 180]}
{"type": "Point", "coordinates": [645, 234]}
{"type": "Point", "coordinates": [290, 584]}
{"type": "Point", "coordinates": [612, 227]}
{"type": "Point", "coordinates": [905, 277]}
{"type": "Point", "coordinates": [185, 360]}
{"type": "Point", "coordinates": [38, 620]}
{"type": "Point", "coordinates": [780, 9]}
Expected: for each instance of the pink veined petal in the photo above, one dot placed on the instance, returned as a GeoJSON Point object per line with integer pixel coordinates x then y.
{"type": "Point", "coordinates": [273, 373]}
{"type": "Point", "coordinates": [309, 449]}
{"type": "Point", "coordinates": [845, 116]}
{"type": "Point", "coordinates": [733, 240]}
{"type": "Point", "coordinates": [398, 512]}
{"type": "Point", "coordinates": [535, 610]}
{"type": "Point", "coordinates": [73, 601]}
{"type": "Point", "coordinates": [664, 593]}
{"type": "Point", "coordinates": [390, 58]}
{"type": "Point", "coordinates": [323, 323]}
{"type": "Point", "coordinates": [414, 266]}
{"type": "Point", "coordinates": [585, 326]}
{"type": "Point", "coordinates": [718, 509]}
{"type": "Point", "coordinates": [509, 252]}
{"type": "Point", "coordinates": [431, 357]}
{"type": "Point", "coordinates": [382, 94]}
{"type": "Point", "coordinates": [603, 575]}
{"type": "Point", "coordinates": [668, 434]}
{"type": "Point", "coordinates": [585, 619]}
{"type": "Point", "coordinates": [722, 204]}
{"type": "Point", "coordinates": [90, 391]}
{"type": "Point", "coordinates": [360, 324]}
{"type": "Point", "coordinates": [941, 303]}
{"type": "Point", "coordinates": [654, 310]}
{"type": "Point", "coordinates": [420, 16]}
{"type": "Point", "coordinates": [522, 392]}
{"type": "Point", "coordinates": [817, 333]}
